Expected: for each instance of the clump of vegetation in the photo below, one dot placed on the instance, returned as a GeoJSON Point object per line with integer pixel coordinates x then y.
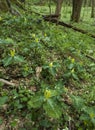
{"type": "Point", "coordinates": [53, 77]}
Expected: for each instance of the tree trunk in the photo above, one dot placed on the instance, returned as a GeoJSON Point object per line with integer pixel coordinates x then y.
{"type": "Point", "coordinates": [76, 10]}
{"type": "Point", "coordinates": [4, 6]}
{"type": "Point", "coordinates": [58, 7]}
{"type": "Point", "coordinates": [92, 11]}
{"type": "Point", "coordinates": [8, 5]}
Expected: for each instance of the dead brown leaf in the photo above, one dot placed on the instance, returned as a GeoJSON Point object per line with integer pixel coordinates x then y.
{"type": "Point", "coordinates": [38, 71]}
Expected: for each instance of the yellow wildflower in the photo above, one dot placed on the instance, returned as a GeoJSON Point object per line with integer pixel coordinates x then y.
{"type": "Point", "coordinates": [25, 20]}
{"type": "Point", "coordinates": [65, 89]}
{"type": "Point", "coordinates": [69, 57]}
{"type": "Point", "coordinates": [26, 68]}
{"type": "Point", "coordinates": [78, 51]}
{"type": "Point", "coordinates": [37, 40]}
{"type": "Point", "coordinates": [92, 115]}
{"type": "Point", "coordinates": [72, 71]}
{"type": "Point", "coordinates": [47, 94]}
{"type": "Point", "coordinates": [0, 18]}
{"type": "Point", "coordinates": [85, 122]}
{"type": "Point", "coordinates": [45, 35]}
{"type": "Point", "coordinates": [81, 63]}
{"type": "Point", "coordinates": [51, 65]}
{"type": "Point", "coordinates": [73, 60]}
{"type": "Point", "coordinates": [33, 35]}
{"type": "Point", "coordinates": [14, 17]}
{"type": "Point", "coordinates": [12, 53]}
{"type": "Point", "coordinates": [64, 36]}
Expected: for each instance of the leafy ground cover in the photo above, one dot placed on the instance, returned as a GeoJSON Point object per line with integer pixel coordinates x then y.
{"type": "Point", "coordinates": [53, 69]}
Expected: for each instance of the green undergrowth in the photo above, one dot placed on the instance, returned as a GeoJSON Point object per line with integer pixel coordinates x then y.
{"type": "Point", "coordinates": [86, 22]}
{"type": "Point", "coordinates": [53, 69]}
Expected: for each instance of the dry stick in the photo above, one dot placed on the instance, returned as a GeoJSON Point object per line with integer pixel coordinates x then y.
{"type": "Point", "coordinates": [90, 57]}
{"type": "Point", "coordinates": [7, 82]}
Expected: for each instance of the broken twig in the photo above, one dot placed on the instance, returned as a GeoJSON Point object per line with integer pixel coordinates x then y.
{"type": "Point", "coordinates": [7, 82]}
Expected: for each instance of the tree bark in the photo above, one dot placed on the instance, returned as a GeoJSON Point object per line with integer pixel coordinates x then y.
{"type": "Point", "coordinates": [58, 7]}
{"type": "Point", "coordinates": [4, 6]}
{"type": "Point", "coordinates": [7, 5]}
{"type": "Point", "coordinates": [92, 11]}
{"type": "Point", "coordinates": [76, 10]}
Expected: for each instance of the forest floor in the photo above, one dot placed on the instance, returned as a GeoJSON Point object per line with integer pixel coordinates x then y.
{"type": "Point", "coordinates": [86, 22]}
{"type": "Point", "coordinates": [47, 75]}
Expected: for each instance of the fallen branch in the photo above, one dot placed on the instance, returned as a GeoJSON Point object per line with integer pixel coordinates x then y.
{"type": "Point", "coordinates": [55, 19]}
{"type": "Point", "coordinates": [88, 56]}
{"type": "Point", "coordinates": [7, 82]}
{"type": "Point", "coordinates": [68, 26]}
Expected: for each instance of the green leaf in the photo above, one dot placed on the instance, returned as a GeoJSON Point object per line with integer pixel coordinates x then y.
{"type": "Point", "coordinates": [52, 109]}
{"type": "Point", "coordinates": [3, 100]}
{"type": "Point", "coordinates": [14, 123]}
{"type": "Point", "coordinates": [71, 66]}
{"type": "Point", "coordinates": [6, 41]}
{"type": "Point", "coordinates": [19, 59]}
{"type": "Point", "coordinates": [1, 84]}
{"type": "Point", "coordinates": [89, 110]}
{"type": "Point", "coordinates": [78, 102]}
{"type": "Point", "coordinates": [35, 102]}
{"type": "Point", "coordinates": [1, 121]}
{"type": "Point", "coordinates": [93, 121]}
{"type": "Point", "coordinates": [1, 41]}
{"type": "Point", "coordinates": [53, 71]}
{"type": "Point", "coordinates": [67, 75]}
{"type": "Point", "coordinates": [75, 76]}
{"type": "Point", "coordinates": [54, 93]}
{"type": "Point", "coordinates": [9, 41]}
{"type": "Point", "coordinates": [7, 61]}
{"type": "Point", "coordinates": [45, 123]}
{"type": "Point", "coordinates": [84, 117]}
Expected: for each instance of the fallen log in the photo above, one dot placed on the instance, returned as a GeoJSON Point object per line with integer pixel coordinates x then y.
{"type": "Point", "coordinates": [54, 20]}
